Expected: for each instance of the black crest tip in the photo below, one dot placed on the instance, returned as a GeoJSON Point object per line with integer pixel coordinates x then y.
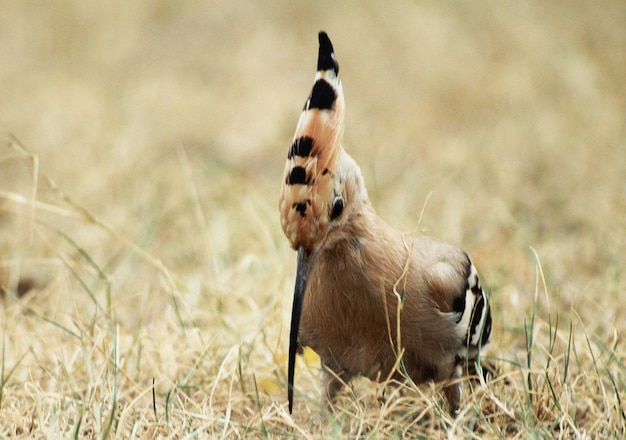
{"type": "Point", "coordinates": [326, 58]}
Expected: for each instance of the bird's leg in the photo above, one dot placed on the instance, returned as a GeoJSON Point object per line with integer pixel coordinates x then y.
{"type": "Point", "coordinates": [454, 391]}
{"type": "Point", "coordinates": [332, 382]}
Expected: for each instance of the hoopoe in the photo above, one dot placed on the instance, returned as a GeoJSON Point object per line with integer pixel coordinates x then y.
{"type": "Point", "coordinates": [357, 275]}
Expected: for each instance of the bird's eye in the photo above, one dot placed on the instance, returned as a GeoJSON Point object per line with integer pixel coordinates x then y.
{"type": "Point", "coordinates": [337, 208]}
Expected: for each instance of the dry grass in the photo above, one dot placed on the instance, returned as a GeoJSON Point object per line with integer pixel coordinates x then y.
{"type": "Point", "coordinates": [147, 284]}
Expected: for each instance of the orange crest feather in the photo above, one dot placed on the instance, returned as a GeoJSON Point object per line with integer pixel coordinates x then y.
{"type": "Point", "coordinates": [307, 190]}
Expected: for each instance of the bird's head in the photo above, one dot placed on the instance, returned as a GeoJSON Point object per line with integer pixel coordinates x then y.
{"type": "Point", "coordinates": [322, 185]}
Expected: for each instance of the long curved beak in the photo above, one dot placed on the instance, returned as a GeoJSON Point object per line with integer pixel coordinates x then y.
{"type": "Point", "coordinates": [305, 263]}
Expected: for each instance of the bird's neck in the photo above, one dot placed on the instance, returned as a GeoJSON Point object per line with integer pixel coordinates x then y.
{"type": "Point", "coordinates": [370, 252]}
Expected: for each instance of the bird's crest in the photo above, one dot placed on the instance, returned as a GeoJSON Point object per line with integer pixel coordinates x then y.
{"type": "Point", "coordinates": [307, 192]}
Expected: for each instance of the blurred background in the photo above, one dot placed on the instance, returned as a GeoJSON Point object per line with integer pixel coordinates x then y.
{"type": "Point", "coordinates": [500, 125]}
{"type": "Point", "coordinates": [170, 122]}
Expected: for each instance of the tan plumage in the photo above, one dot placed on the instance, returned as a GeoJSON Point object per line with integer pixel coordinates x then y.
{"type": "Point", "coordinates": [354, 268]}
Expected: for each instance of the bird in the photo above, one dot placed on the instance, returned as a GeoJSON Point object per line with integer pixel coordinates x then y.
{"type": "Point", "coordinates": [368, 297]}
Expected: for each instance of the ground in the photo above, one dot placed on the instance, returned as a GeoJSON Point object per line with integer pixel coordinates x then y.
{"type": "Point", "coordinates": [146, 283]}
